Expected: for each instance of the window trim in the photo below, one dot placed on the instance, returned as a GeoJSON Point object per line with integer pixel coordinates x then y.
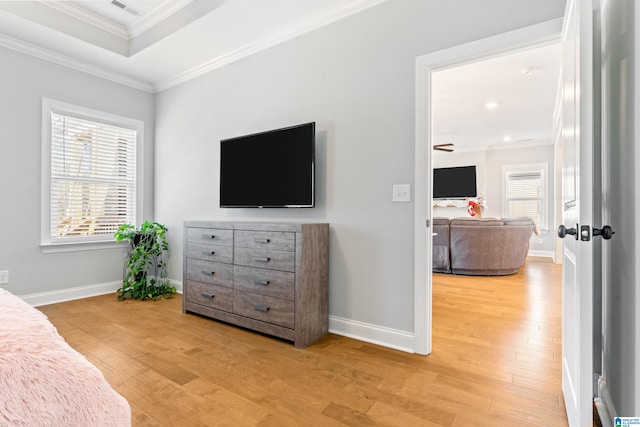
{"type": "Point", "coordinates": [543, 169]}
{"type": "Point", "coordinates": [82, 243]}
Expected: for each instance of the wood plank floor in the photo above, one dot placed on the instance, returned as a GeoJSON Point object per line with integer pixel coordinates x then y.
{"type": "Point", "coordinates": [495, 362]}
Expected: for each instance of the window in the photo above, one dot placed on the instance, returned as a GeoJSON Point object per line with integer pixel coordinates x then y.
{"type": "Point", "coordinates": [90, 174]}
{"type": "Point", "coordinates": [524, 193]}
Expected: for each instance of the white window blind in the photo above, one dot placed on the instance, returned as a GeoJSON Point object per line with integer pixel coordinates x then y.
{"type": "Point", "coordinates": [525, 195]}
{"type": "Point", "coordinates": [93, 178]}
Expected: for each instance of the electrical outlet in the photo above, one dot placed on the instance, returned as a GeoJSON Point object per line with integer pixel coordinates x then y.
{"type": "Point", "coordinates": [4, 277]}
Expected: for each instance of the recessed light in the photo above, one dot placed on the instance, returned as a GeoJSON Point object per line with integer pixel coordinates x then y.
{"type": "Point", "coordinates": [491, 105]}
{"type": "Point", "coordinates": [506, 138]}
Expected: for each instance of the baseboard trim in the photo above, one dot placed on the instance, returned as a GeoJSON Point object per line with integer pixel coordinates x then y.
{"type": "Point", "coordinates": [70, 294]}
{"type": "Point", "coordinates": [177, 284]}
{"type": "Point", "coordinates": [386, 337]}
{"type": "Point", "coordinates": [544, 254]}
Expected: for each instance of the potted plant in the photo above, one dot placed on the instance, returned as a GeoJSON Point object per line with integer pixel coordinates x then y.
{"type": "Point", "coordinates": [145, 269]}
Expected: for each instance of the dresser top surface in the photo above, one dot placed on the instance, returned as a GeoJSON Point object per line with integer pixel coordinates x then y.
{"type": "Point", "coordinates": [293, 226]}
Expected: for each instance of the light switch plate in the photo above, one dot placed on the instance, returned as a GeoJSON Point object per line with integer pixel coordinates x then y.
{"type": "Point", "coordinates": [402, 193]}
{"type": "Point", "coordinates": [4, 277]}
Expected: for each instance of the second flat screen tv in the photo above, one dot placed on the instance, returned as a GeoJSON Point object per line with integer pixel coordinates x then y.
{"type": "Point", "coordinates": [455, 182]}
{"type": "Point", "coordinates": [272, 169]}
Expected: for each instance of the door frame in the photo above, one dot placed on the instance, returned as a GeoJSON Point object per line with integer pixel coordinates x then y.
{"type": "Point", "coordinates": [535, 35]}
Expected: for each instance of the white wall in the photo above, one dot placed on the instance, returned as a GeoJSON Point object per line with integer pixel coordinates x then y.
{"type": "Point", "coordinates": [24, 81]}
{"type": "Point", "coordinates": [355, 78]}
{"type": "Point", "coordinates": [489, 164]}
{"type": "Point", "coordinates": [541, 154]}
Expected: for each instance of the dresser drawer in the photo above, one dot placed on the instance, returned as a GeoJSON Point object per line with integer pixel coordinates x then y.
{"type": "Point", "coordinates": [268, 240]}
{"type": "Point", "coordinates": [267, 309]}
{"type": "Point", "coordinates": [274, 260]}
{"type": "Point", "coordinates": [214, 273]}
{"type": "Point", "coordinates": [266, 282]}
{"type": "Point", "coordinates": [210, 295]}
{"type": "Point", "coordinates": [210, 252]}
{"type": "Point", "coordinates": [213, 236]}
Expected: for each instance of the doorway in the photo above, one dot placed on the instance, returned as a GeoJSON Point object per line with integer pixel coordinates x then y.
{"type": "Point", "coordinates": [538, 35]}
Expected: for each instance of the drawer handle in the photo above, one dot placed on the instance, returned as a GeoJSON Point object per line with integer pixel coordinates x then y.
{"type": "Point", "coordinates": [210, 296]}
{"type": "Point", "coordinates": [262, 282]}
{"type": "Point", "coordinates": [209, 253]}
{"type": "Point", "coordinates": [262, 308]}
{"type": "Point", "coordinates": [260, 240]}
{"type": "Point", "coordinates": [263, 259]}
{"type": "Point", "coordinates": [210, 236]}
{"type": "Point", "coordinates": [208, 273]}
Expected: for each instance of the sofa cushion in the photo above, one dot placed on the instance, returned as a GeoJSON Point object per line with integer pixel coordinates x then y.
{"type": "Point", "coordinates": [476, 221]}
{"type": "Point", "coordinates": [438, 220]}
{"type": "Point", "coordinates": [522, 221]}
{"type": "Point", "coordinates": [441, 257]}
{"type": "Point", "coordinates": [489, 250]}
{"type": "Point", "coordinates": [441, 263]}
{"type": "Point", "coordinates": [517, 221]}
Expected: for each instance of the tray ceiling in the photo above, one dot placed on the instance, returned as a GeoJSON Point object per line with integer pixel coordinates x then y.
{"type": "Point", "coordinates": [156, 44]}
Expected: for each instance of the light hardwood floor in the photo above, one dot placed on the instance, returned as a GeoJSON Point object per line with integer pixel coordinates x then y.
{"type": "Point", "coordinates": [495, 362]}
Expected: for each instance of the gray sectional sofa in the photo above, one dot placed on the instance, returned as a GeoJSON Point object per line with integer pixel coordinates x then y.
{"type": "Point", "coordinates": [481, 247]}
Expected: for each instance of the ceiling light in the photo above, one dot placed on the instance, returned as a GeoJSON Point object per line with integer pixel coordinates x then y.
{"type": "Point", "coordinates": [506, 138]}
{"type": "Point", "coordinates": [491, 105]}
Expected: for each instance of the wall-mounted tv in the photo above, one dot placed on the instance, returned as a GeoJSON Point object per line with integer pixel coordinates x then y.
{"type": "Point", "coordinates": [272, 169]}
{"type": "Point", "coordinates": [455, 182]}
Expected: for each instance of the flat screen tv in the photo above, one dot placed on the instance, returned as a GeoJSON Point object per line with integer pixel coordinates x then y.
{"type": "Point", "coordinates": [455, 182]}
{"type": "Point", "coordinates": [272, 169]}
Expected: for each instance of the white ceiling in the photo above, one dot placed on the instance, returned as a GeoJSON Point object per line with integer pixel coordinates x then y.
{"type": "Point", "coordinates": [524, 85]}
{"type": "Point", "coordinates": [136, 11]}
{"type": "Point", "coordinates": [156, 44]}
{"type": "Point", "coordinates": [170, 41]}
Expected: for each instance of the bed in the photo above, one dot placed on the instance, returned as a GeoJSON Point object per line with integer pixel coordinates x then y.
{"type": "Point", "coordinates": [45, 382]}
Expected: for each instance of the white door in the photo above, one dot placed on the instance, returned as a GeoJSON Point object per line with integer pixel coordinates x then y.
{"type": "Point", "coordinates": [577, 272]}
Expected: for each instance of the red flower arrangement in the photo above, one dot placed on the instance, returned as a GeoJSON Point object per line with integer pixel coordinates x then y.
{"type": "Point", "coordinates": [473, 208]}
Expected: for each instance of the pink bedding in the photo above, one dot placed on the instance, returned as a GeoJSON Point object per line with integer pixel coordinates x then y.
{"type": "Point", "coordinates": [45, 382]}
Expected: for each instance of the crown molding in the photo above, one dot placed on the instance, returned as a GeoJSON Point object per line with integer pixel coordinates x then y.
{"type": "Point", "coordinates": [517, 145]}
{"type": "Point", "coordinates": [125, 32]}
{"type": "Point", "coordinates": [297, 28]}
{"type": "Point", "coordinates": [156, 16]}
{"type": "Point", "coordinates": [88, 17]}
{"type": "Point", "coordinates": [67, 61]}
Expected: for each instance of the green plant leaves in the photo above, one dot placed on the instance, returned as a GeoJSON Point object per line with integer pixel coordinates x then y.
{"type": "Point", "coordinates": [145, 271]}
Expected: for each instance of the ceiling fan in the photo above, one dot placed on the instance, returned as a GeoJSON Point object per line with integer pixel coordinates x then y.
{"type": "Point", "coordinates": [441, 147]}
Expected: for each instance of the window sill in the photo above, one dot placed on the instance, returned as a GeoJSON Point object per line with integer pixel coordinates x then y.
{"type": "Point", "coordinates": [49, 248]}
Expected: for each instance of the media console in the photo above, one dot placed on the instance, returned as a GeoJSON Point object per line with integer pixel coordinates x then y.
{"type": "Point", "coordinates": [269, 277]}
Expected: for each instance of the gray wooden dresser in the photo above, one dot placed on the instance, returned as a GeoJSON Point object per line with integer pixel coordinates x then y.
{"type": "Point", "coordinates": [269, 277]}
